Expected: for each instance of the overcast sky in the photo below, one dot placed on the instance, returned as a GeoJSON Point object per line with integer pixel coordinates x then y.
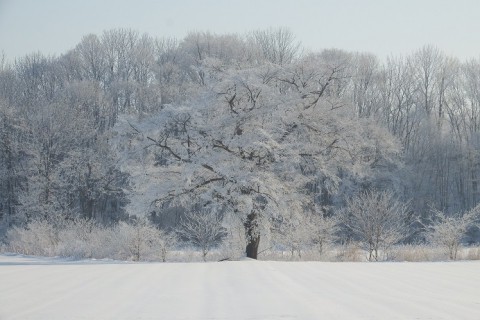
{"type": "Point", "coordinates": [382, 27]}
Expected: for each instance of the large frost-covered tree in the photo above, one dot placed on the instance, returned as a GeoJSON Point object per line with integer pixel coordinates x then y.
{"type": "Point", "coordinates": [254, 140]}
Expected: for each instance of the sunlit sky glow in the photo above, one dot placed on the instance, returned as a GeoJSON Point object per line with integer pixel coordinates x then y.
{"type": "Point", "coordinates": [383, 27]}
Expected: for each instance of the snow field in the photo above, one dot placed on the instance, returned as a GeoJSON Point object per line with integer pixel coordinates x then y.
{"type": "Point", "coordinates": [34, 288]}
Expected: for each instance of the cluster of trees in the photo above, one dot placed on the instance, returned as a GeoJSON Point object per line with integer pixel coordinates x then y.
{"type": "Point", "coordinates": [250, 127]}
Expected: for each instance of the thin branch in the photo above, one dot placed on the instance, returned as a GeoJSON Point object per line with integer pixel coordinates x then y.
{"type": "Point", "coordinates": [164, 146]}
{"type": "Point", "coordinates": [172, 194]}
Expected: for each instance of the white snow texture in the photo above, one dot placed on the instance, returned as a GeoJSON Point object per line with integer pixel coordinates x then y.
{"type": "Point", "coordinates": [45, 288]}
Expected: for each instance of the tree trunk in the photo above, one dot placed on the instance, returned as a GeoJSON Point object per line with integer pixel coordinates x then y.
{"type": "Point", "coordinates": [252, 247]}
{"type": "Point", "coordinates": [253, 238]}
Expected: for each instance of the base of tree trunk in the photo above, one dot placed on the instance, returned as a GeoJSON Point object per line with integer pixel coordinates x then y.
{"type": "Point", "coordinates": [252, 248]}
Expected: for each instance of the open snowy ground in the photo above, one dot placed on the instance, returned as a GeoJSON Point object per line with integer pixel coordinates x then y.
{"type": "Point", "coordinates": [41, 288]}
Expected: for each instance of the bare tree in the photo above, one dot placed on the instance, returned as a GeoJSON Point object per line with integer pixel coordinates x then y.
{"type": "Point", "coordinates": [164, 242]}
{"type": "Point", "coordinates": [426, 64]}
{"type": "Point", "coordinates": [365, 84]}
{"type": "Point", "coordinates": [377, 219]}
{"type": "Point", "coordinates": [323, 231]}
{"type": "Point", "coordinates": [91, 55]}
{"type": "Point", "coordinates": [3, 61]}
{"type": "Point", "coordinates": [277, 46]}
{"type": "Point", "coordinates": [293, 232]}
{"type": "Point", "coordinates": [202, 229]}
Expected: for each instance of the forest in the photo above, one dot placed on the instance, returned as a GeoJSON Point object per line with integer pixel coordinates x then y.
{"type": "Point", "coordinates": [246, 141]}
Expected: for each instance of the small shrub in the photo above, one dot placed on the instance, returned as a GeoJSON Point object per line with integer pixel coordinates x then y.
{"type": "Point", "coordinates": [80, 238]}
{"type": "Point", "coordinates": [447, 231]}
{"type": "Point", "coordinates": [202, 229]}
{"type": "Point", "coordinates": [377, 220]}
{"type": "Point", "coordinates": [37, 238]}
{"type": "Point", "coordinates": [416, 253]}
{"type": "Point", "coordinates": [351, 252]}
{"type": "Point", "coordinates": [472, 254]}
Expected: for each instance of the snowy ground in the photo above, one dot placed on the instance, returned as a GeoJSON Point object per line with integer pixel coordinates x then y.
{"type": "Point", "coordinates": [41, 288]}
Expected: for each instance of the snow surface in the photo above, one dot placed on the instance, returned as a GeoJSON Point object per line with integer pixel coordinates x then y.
{"type": "Point", "coordinates": [42, 288]}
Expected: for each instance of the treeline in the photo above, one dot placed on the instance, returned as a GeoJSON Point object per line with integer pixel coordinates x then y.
{"type": "Point", "coordinates": [249, 124]}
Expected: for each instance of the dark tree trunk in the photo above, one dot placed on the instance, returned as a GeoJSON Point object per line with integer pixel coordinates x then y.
{"type": "Point", "coordinates": [252, 247]}
{"type": "Point", "coordinates": [253, 238]}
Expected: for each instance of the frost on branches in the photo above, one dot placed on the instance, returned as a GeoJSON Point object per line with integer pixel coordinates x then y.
{"type": "Point", "coordinates": [202, 228]}
{"type": "Point", "coordinates": [377, 219]}
{"type": "Point", "coordinates": [254, 141]}
{"type": "Point", "coordinates": [447, 231]}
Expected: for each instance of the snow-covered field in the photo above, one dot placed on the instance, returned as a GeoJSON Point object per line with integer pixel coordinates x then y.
{"type": "Point", "coordinates": [42, 288]}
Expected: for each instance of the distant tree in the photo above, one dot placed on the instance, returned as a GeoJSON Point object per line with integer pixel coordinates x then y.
{"type": "Point", "coordinates": [165, 242]}
{"type": "Point", "coordinates": [169, 71]}
{"type": "Point", "coordinates": [426, 64]}
{"type": "Point", "coordinates": [13, 165]}
{"type": "Point", "coordinates": [365, 85]}
{"type": "Point", "coordinates": [323, 231]}
{"type": "Point", "coordinates": [293, 233]}
{"type": "Point", "coordinates": [91, 56]}
{"type": "Point", "coordinates": [3, 61]}
{"type": "Point", "coordinates": [71, 168]}
{"type": "Point", "coordinates": [277, 46]}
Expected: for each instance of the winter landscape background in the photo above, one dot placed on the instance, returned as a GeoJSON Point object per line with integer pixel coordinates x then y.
{"type": "Point", "coordinates": [130, 146]}
{"type": "Point", "coordinates": [239, 175]}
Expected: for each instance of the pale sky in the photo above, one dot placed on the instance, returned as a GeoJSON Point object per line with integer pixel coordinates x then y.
{"type": "Point", "coordinates": [382, 27]}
